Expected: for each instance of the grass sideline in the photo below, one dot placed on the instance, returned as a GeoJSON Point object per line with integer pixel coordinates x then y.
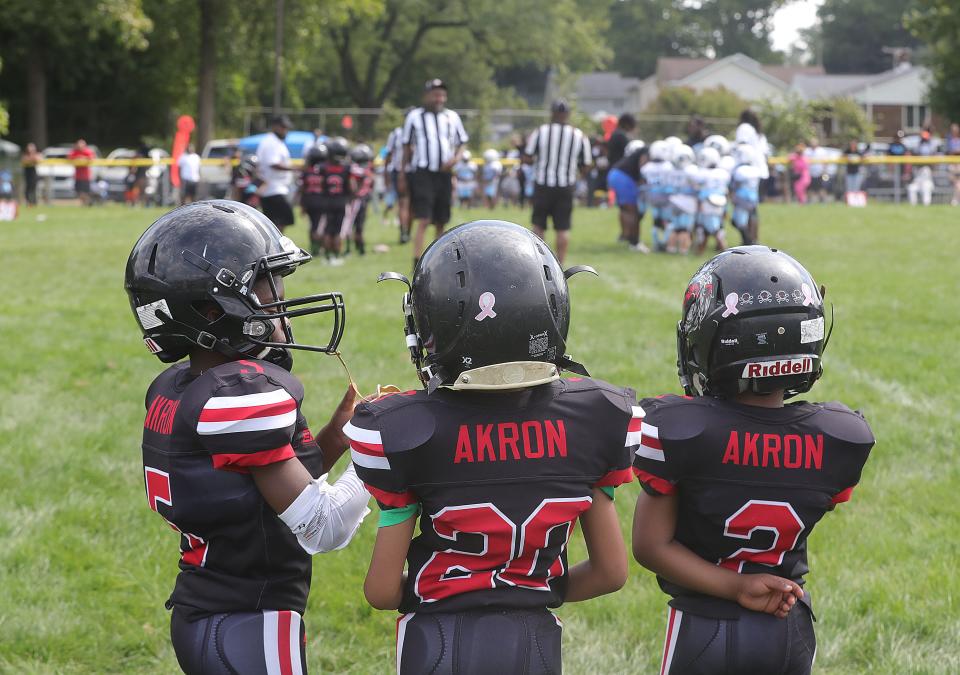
{"type": "Point", "coordinates": [85, 566]}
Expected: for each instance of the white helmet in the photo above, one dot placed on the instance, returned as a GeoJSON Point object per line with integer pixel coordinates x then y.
{"type": "Point", "coordinates": [490, 155]}
{"type": "Point", "coordinates": [633, 146]}
{"type": "Point", "coordinates": [718, 143]}
{"type": "Point", "coordinates": [728, 162]}
{"type": "Point", "coordinates": [745, 153]}
{"type": "Point", "coordinates": [682, 156]}
{"type": "Point", "coordinates": [659, 151]}
{"type": "Point", "coordinates": [708, 158]}
{"type": "Point", "coordinates": [673, 141]}
{"type": "Point", "coordinates": [466, 156]}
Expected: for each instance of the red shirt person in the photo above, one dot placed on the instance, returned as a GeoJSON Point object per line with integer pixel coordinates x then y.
{"type": "Point", "coordinates": [81, 172]}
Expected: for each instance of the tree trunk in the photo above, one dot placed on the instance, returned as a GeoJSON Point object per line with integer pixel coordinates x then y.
{"type": "Point", "coordinates": [206, 92]}
{"type": "Point", "coordinates": [37, 95]}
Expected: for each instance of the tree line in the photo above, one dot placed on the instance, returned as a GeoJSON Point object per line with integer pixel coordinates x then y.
{"type": "Point", "coordinates": [121, 72]}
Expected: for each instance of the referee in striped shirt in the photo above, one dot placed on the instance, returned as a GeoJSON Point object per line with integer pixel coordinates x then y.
{"type": "Point", "coordinates": [560, 153]}
{"type": "Point", "coordinates": [433, 139]}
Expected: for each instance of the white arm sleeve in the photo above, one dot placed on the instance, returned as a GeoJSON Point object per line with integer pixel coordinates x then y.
{"type": "Point", "coordinates": [325, 517]}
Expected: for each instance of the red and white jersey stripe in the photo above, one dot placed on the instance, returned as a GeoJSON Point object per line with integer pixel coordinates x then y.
{"type": "Point", "coordinates": [281, 643]}
{"type": "Point", "coordinates": [650, 446]}
{"type": "Point", "coordinates": [633, 428]}
{"type": "Point", "coordinates": [251, 412]}
{"type": "Point", "coordinates": [366, 447]}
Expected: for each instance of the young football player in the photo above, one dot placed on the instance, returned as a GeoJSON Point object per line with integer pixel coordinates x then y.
{"type": "Point", "coordinates": [751, 169]}
{"type": "Point", "coordinates": [713, 184]}
{"type": "Point", "coordinates": [623, 179]}
{"type": "Point", "coordinates": [499, 458]}
{"type": "Point", "coordinates": [683, 198]}
{"type": "Point", "coordinates": [338, 187]}
{"type": "Point", "coordinates": [465, 172]}
{"type": "Point", "coordinates": [311, 193]}
{"type": "Point", "coordinates": [654, 174]}
{"type": "Point", "coordinates": [362, 176]}
{"type": "Point", "coordinates": [734, 479]}
{"type": "Point", "coordinates": [228, 459]}
{"type": "Point", "coordinates": [490, 177]}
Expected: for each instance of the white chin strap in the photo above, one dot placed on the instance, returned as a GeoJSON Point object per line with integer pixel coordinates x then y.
{"type": "Point", "coordinates": [501, 376]}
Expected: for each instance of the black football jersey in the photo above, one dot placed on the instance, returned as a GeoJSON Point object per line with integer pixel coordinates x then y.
{"type": "Point", "coordinates": [200, 437]}
{"type": "Point", "coordinates": [752, 482]}
{"type": "Point", "coordinates": [501, 479]}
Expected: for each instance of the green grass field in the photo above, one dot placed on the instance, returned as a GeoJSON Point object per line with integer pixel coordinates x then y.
{"type": "Point", "coordinates": [85, 566]}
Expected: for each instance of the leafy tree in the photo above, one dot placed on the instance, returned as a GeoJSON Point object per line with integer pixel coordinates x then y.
{"type": "Point", "coordinates": [855, 34]}
{"type": "Point", "coordinates": [47, 39]}
{"type": "Point", "coordinates": [4, 115]}
{"type": "Point", "coordinates": [738, 26]}
{"type": "Point", "coordinates": [937, 23]}
{"type": "Point", "coordinates": [714, 105]}
{"type": "Point", "coordinates": [786, 122]}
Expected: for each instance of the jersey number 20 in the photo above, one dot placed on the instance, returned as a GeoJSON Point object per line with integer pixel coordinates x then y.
{"type": "Point", "coordinates": [527, 558]}
{"type": "Point", "coordinates": [757, 514]}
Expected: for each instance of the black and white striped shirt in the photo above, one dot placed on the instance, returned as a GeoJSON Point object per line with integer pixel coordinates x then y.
{"type": "Point", "coordinates": [435, 137]}
{"type": "Point", "coordinates": [560, 150]}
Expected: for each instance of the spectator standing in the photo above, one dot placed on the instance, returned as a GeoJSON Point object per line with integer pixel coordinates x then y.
{"type": "Point", "coordinates": [617, 143]}
{"type": "Point", "coordinates": [189, 167]}
{"type": "Point", "coordinates": [952, 147]}
{"type": "Point", "coordinates": [31, 157]}
{"type": "Point", "coordinates": [433, 142]}
{"type": "Point", "coordinates": [854, 157]}
{"type": "Point", "coordinates": [696, 132]}
{"type": "Point", "coordinates": [273, 162]}
{"type": "Point", "coordinates": [819, 177]}
{"type": "Point", "coordinates": [800, 173]}
{"type": "Point", "coordinates": [559, 152]}
{"type": "Point", "coordinates": [81, 172]}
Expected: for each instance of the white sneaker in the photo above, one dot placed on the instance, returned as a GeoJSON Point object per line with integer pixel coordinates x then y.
{"type": "Point", "coordinates": [336, 262]}
{"type": "Point", "coordinates": [640, 248]}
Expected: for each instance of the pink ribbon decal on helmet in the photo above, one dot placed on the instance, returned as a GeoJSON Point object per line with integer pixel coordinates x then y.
{"type": "Point", "coordinates": [487, 301]}
{"type": "Point", "coordinates": [731, 302]}
{"type": "Point", "coordinates": [808, 298]}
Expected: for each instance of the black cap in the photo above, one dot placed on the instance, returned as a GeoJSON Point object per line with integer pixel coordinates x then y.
{"type": "Point", "coordinates": [560, 106]}
{"type": "Point", "coordinates": [435, 83]}
{"type": "Point", "coordinates": [281, 121]}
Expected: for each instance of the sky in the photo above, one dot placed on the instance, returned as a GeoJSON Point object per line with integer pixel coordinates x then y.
{"type": "Point", "coordinates": [790, 18]}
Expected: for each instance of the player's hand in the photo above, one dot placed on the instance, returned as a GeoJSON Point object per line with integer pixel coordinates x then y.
{"type": "Point", "coordinates": [768, 593]}
{"type": "Point", "coordinates": [447, 167]}
{"type": "Point", "coordinates": [331, 439]}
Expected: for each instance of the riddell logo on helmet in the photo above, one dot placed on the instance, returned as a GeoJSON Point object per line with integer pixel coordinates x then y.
{"type": "Point", "coordinates": [778, 368]}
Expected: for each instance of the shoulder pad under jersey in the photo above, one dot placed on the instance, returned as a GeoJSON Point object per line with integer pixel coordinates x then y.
{"type": "Point", "coordinates": [844, 424]}
{"type": "Point", "coordinates": [405, 420]}
{"type": "Point", "coordinates": [676, 418]}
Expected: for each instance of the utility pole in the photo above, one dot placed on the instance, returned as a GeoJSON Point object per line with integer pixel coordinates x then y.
{"type": "Point", "coordinates": [278, 61]}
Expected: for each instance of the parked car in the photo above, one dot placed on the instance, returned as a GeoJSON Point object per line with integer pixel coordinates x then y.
{"type": "Point", "coordinates": [56, 180]}
{"type": "Point", "coordinates": [157, 189]}
{"type": "Point", "coordinates": [215, 178]}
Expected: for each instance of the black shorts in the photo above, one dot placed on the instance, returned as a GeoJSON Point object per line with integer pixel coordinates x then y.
{"type": "Point", "coordinates": [360, 216]}
{"type": "Point", "coordinates": [334, 223]}
{"type": "Point", "coordinates": [753, 643]}
{"type": "Point", "coordinates": [277, 209]}
{"type": "Point", "coordinates": [555, 202]}
{"type": "Point", "coordinates": [189, 188]}
{"type": "Point", "coordinates": [430, 195]}
{"type": "Point", "coordinates": [240, 642]}
{"type": "Point", "coordinates": [82, 187]}
{"type": "Point", "coordinates": [483, 641]}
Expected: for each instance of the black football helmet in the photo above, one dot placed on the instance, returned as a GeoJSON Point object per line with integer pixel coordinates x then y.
{"type": "Point", "coordinates": [317, 154]}
{"type": "Point", "coordinates": [210, 254]}
{"type": "Point", "coordinates": [753, 320]}
{"type": "Point", "coordinates": [361, 154]}
{"type": "Point", "coordinates": [485, 293]}
{"type": "Point", "coordinates": [339, 148]}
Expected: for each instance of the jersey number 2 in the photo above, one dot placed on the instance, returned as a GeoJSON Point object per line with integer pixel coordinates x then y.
{"type": "Point", "coordinates": [530, 563]}
{"type": "Point", "coordinates": [778, 518]}
{"type": "Point", "coordinates": [193, 549]}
